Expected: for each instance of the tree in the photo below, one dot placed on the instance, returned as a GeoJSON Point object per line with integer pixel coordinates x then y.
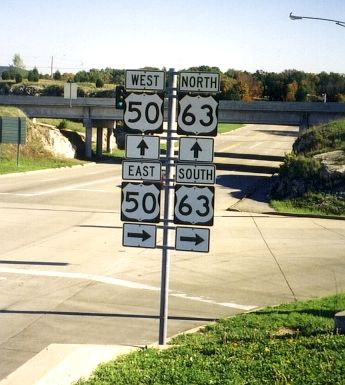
{"type": "Point", "coordinates": [18, 61]}
{"type": "Point", "coordinates": [18, 78]}
{"type": "Point", "coordinates": [33, 76]}
{"type": "Point", "coordinates": [5, 75]}
{"type": "Point", "coordinates": [291, 90]}
{"type": "Point", "coordinates": [57, 75]}
{"type": "Point", "coordinates": [99, 83]}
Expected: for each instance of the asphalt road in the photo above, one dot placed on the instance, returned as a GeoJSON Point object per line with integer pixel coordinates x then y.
{"type": "Point", "coordinates": [66, 278]}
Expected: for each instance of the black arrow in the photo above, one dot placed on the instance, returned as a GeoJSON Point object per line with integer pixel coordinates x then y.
{"type": "Point", "coordinates": [197, 239]}
{"type": "Point", "coordinates": [143, 235]}
{"type": "Point", "coordinates": [196, 148]}
{"type": "Point", "coordinates": [143, 146]}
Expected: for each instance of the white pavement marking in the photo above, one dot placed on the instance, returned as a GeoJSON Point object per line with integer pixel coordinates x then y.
{"type": "Point", "coordinates": [66, 188]}
{"type": "Point", "coordinates": [120, 282]}
{"type": "Point", "coordinates": [81, 276]}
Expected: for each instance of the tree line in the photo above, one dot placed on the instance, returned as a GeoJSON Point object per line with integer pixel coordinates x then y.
{"type": "Point", "coordinates": [289, 85]}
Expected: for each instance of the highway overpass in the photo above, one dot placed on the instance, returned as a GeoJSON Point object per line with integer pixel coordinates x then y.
{"type": "Point", "coordinates": [101, 113]}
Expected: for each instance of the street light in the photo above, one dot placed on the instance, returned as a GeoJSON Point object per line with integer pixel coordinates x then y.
{"type": "Point", "coordinates": [295, 17]}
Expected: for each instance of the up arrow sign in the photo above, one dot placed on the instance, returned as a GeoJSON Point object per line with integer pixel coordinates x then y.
{"type": "Point", "coordinates": [194, 149]}
{"type": "Point", "coordinates": [142, 146]}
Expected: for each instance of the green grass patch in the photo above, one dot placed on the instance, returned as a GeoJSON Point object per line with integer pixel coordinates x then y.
{"type": "Point", "coordinates": [10, 166]}
{"type": "Point", "coordinates": [63, 123]}
{"type": "Point", "coordinates": [312, 203]}
{"type": "Point", "coordinates": [11, 111]}
{"type": "Point", "coordinates": [227, 127]}
{"type": "Point", "coordinates": [284, 345]}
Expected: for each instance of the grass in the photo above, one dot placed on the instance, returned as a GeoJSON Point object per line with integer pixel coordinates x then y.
{"type": "Point", "coordinates": [227, 127]}
{"type": "Point", "coordinates": [27, 164]}
{"type": "Point", "coordinates": [312, 203]}
{"type": "Point", "coordinates": [63, 123]}
{"type": "Point", "coordinates": [32, 155]}
{"type": "Point", "coordinates": [303, 187]}
{"type": "Point", "coordinates": [285, 345]}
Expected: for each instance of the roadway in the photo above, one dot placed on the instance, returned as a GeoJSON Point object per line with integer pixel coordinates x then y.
{"type": "Point", "coordinates": [66, 278]}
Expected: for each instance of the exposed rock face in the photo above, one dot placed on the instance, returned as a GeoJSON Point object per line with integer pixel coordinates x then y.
{"type": "Point", "coordinates": [333, 163]}
{"type": "Point", "coordinates": [55, 143]}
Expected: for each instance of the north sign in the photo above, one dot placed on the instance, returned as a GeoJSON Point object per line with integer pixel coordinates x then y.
{"type": "Point", "coordinates": [192, 239]}
{"type": "Point", "coordinates": [144, 112]}
{"type": "Point", "coordinates": [145, 80]}
{"type": "Point", "coordinates": [135, 235]}
{"type": "Point", "coordinates": [142, 146]}
{"type": "Point", "coordinates": [196, 149]}
{"type": "Point", "coordinates": [140, 170]}
{"type": "Point", "coordinates": [199, 82]}
{"type": "Point", "coordinates": [140, 202]}
{"type": "Point", "coordinates": [197, 115]}
{"type": "Point", "coordinates": [194, 205]}
{"type": "Point", "coordinates": [195, 173]}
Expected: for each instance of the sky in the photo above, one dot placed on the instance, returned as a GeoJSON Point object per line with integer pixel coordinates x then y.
{"type": "Point", "coordinates": [246, 35]}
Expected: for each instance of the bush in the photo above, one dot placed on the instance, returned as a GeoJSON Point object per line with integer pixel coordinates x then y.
{"type": "Point", "coordinates": [53, 90]}
{"type": "Point", "coordinates": [33, 76]}
{"type": "Point", "coordinates": [4, 89]}
{"type": "Point", "coordinates": [57, 75]}
{"type": "Point", "coordinates": [99, 83]}
{"type": "Point", "coordinates": [5, 75]}
{"type": "Point", "coordinates": [18, 78]}
{"type": "Point", "coordinates": [327, 137]}
{"type": "Point", "coordinates": [297, 175]}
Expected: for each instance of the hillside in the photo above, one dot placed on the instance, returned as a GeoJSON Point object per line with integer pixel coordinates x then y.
{"type": "Point", "coordinates": [312, 178]}
{"type": "Point", "coordinates": [45, 147]}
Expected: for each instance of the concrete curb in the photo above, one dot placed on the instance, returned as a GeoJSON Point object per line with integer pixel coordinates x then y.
{"type": "Point", "coordinates": [60, 364]}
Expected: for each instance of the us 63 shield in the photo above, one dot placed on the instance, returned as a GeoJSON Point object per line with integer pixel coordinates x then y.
{"type": "Point", "coordinates": [197, 115]}
{"type": "Point", "coordinates": [144, 112]}
{"type": "Point", "coordinates": [194, 205]}
{"type": "Point", "coordinates": [140, 202]}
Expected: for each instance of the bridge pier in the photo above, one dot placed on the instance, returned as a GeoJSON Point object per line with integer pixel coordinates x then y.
{"type": "Point", "coordinates": [99, 142]}
{"type": "Point", "coordinates": [88, 138]}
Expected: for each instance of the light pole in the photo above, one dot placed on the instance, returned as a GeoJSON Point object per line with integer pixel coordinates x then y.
{"type": "Point", "coordinates": [295, 17]}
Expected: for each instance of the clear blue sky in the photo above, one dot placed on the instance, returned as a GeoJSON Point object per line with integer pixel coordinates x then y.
{"type": "Point", "coordinates": [128, 34]}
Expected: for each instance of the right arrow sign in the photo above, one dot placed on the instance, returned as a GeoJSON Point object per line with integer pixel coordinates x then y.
{"type": "Point", "coordinates": [192, 239]}
{"type": "Point", "coordinates": [139, 235]}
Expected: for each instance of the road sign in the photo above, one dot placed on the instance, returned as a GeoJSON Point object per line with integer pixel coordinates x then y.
{"type": "Point", "coordinates": [144, 112]}
{"type": "Point", "coordinates": [140, 202]}
{"type": "Point", "coordinates": [142, 146]}
{"type": "Point", "coordinates": [145, 80]}
{"type": "Point", "coordinates": [195, 173]}
{"type": "Point", "coordinates": [139, 235]}
{"type": "Point", "coordinates": [140, 170]}
{"type": "Point", "coordinates": [192, 239]}
{"type": "Point", "coordinates": [196, 149]}
{"type": "Point", "coordinates": [199, 82]}
{"type": "Point", "coordinates": [194, 205]}
{"type": "Point", "coordinates": [197, 115]}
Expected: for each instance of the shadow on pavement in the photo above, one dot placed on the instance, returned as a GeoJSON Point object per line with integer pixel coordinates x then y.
{"type": "Point", "coordinates": [33, 263]}
{"type": "Point", "coordinates": [107, 315]}
{"type": "Point", "coordinates": [255, 186]}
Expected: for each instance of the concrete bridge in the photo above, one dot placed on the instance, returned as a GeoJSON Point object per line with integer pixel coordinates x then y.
{"type": "Point", "coordinates": [101, 113]}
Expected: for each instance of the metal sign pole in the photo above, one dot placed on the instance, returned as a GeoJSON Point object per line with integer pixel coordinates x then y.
{"type": "Point", "coordinates": [163, 318]}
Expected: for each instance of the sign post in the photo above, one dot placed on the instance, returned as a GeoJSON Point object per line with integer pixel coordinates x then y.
{"type": "Point", "coordinates": [192, 202]}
